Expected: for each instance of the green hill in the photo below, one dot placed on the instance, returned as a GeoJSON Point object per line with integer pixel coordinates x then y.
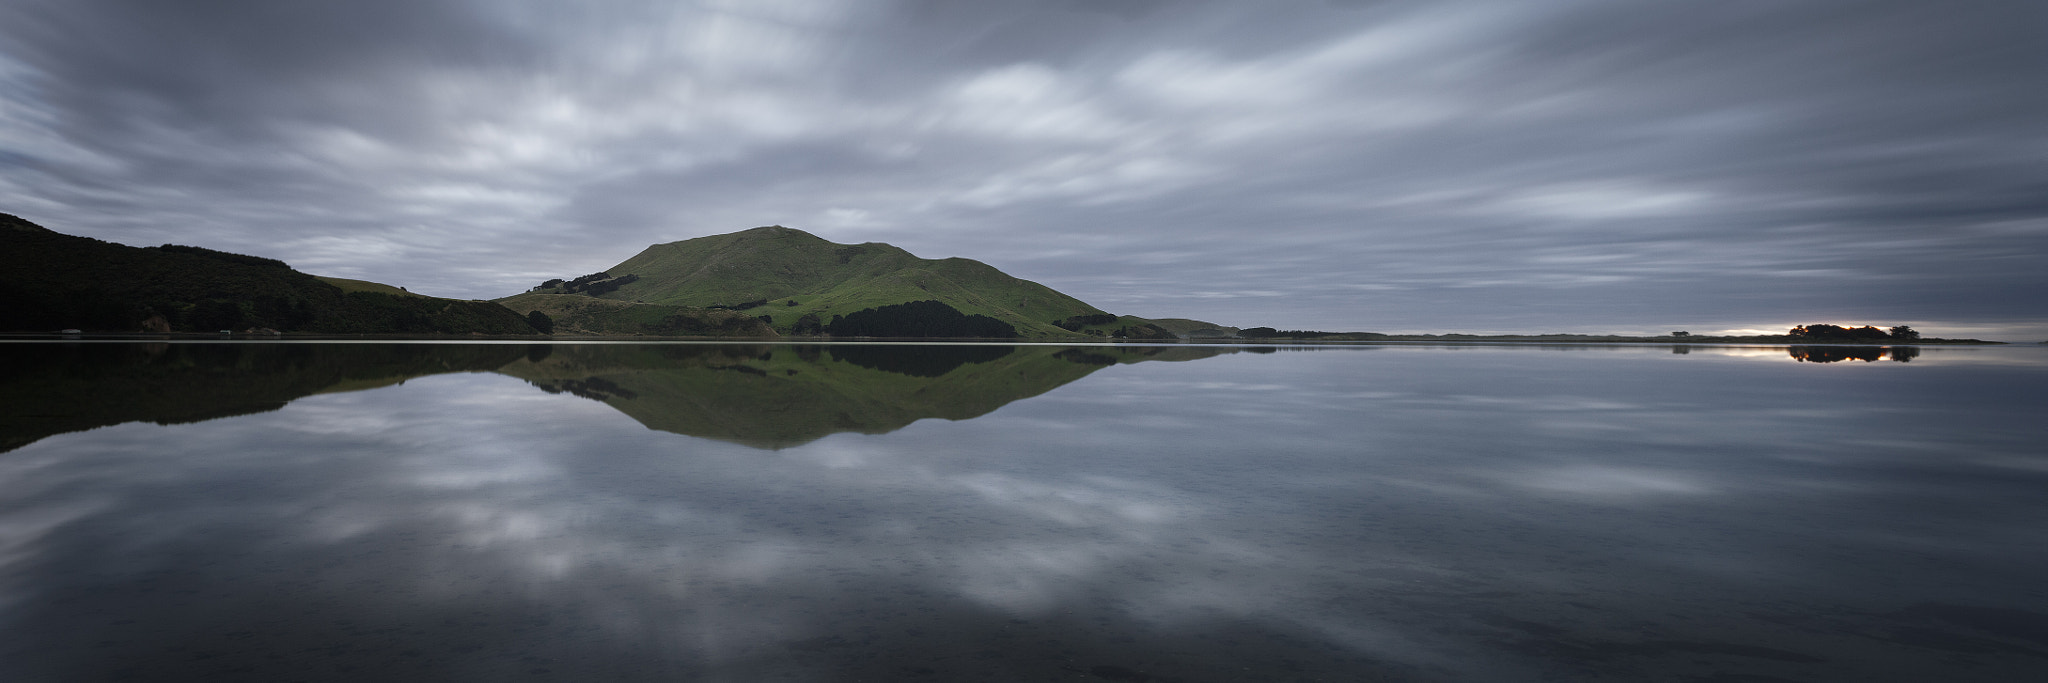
{"type": "Point", "coordinates": [787, 274]}
{"type": "Point", "coordinates": [52, 281]}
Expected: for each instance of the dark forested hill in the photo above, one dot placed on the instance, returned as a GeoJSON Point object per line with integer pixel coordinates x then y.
{"type": "Point", "coordinates": [51, 281]}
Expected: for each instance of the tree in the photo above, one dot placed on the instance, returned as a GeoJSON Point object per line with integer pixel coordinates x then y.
{"type": "Point", "coordinates": [216, 314]}
{"type": "Point", "coordinates": [1836, 333]}
{"type": "Point", "coordinates": [1904, 333]}
{"type": "Point", "coordinates": [1681, 333]}
{"type": "Point", "coordinates": [541, 322]}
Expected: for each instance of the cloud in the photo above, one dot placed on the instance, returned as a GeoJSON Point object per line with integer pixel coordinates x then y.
{"type": "Point", "coordinates": [1389, 165]}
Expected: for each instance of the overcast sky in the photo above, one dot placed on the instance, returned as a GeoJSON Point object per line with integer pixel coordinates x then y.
{"type": "Point", "coordinates": [1507, 166]}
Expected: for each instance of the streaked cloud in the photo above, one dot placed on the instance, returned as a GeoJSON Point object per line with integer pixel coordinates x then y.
{"type": "Point", "coordinates": [1391, 166]}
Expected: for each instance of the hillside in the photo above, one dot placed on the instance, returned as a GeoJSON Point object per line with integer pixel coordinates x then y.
{"type": "Point", "coordinates": [787, 274]}
{"type": "Point", "coordinates": [575, 314]}
{"type": "Point", "coordinates": [53, 281]}
{"type": "Point", "coordinates": [348, 285]}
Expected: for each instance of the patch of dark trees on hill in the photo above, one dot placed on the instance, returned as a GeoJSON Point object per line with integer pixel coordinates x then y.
{"type": "Point", "coordinates": [741, 306]}
{"type": "Point", "coordinates": [1074, 323]}
{"type": "Point", "coordinates": [1142, 331]}
{"type": "Point", "coordinates": [1867, 354]}
{"type": "Point", "coordinates": [808, 324]}
{"type": "Point", "coordinates": [1866, 333]}
{"type": "Point", "coordinates": [594, 284]}
{"type": "Point", "coordinates": [55, 281]}
{"type": "Point", "coordinates": [609, 286]}
{"type": "Point", "coordinates": [707, 325]}
{"type": "Point", "coordinates": [918, 361]}
{"type": "Point", "coordinates": [926, 318]}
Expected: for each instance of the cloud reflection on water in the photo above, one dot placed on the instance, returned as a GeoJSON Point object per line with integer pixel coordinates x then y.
{"type": "Point", "coordinates": [1507, 512]}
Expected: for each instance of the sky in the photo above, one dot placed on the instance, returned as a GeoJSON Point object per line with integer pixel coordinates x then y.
{"type": "Point", "coordinates": [1443, 166]}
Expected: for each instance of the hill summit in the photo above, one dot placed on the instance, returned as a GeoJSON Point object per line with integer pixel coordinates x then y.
{"type": "Point", "coordinates": [799, 282]}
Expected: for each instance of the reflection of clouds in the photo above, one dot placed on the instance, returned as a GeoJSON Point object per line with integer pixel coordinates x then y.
{"type": "Point", "coordinates": [22, 531]}
{"type": "Point", "coordinates": [1597, 482]}
{"type": "Point", "coordinates": [1365, 503]}
{"type": "Point", "coordinates": [1075, 504]}
{"type": "Point", "coordinates": [1031, 578]}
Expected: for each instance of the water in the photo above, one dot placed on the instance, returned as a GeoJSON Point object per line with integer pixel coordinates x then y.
{"type": "Point", "coordinates": [583, 512]}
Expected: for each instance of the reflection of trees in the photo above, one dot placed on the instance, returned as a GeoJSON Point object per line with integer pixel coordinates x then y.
{"type": "Point", "coordinates": [918, 361]}
{"type": "Point", "coordinates": [1832, 354]}
{"type": "Point", "coordinates": [48, 389]}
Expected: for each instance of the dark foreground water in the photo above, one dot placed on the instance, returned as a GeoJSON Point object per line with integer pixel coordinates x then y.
{"type": "Point", "coordinates": [278, 512]}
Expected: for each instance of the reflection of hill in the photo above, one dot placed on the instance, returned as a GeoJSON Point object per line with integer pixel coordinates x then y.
{"type": "Point", "coordinates": [1833, 354]}
{"type": "Point", "coordinates": [48, 389]}
{"type": "Point", "coordinates": [777, 396]}
{"type": "Point", "coordinates": [765, 395]}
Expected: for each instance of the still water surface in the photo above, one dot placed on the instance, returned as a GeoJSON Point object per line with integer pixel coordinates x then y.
{"type": "Point", "coordinates": [584, 512]}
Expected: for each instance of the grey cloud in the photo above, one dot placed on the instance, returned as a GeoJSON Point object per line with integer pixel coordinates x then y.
{"type": "Point", "coordinates": [1381, 166]}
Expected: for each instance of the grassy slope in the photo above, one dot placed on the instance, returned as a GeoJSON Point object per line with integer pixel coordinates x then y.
{"type": "Point", "coordinates": [577, 314]}
{"type": "Point", "coordinates": [824, 278]}
{"type": "Point", "coordinates": [347, 285]}
{"type": "Point", "coordinates": [1182, 326]}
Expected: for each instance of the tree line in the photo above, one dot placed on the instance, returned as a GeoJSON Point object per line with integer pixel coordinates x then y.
{"type": "Point", "coordinates": [1866, 333]}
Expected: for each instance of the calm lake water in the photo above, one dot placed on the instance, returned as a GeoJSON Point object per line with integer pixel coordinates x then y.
{"type": "Point", "coordinates": [587, 512]}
